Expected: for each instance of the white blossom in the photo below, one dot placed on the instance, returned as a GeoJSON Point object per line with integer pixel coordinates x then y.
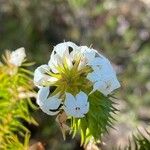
{"type": "Point", "coordinates": [49, 105]}
{"type": "Point", "coordinates": [17, 56]}
{"type": "Point", "coordinates": [106, 85]}
{"type": "Point", "coordinates": [61, 70]}
{"type": "Point", "coordinates": [76, 106]}
{"type": "Point", "coordinates": [100, 77]}
{"type": "Point", "coordinates": [65, 50]}
{"type": "Point", "coordinates": [41, 75]}
{"type": "Point", "coordinates": [103, 77]}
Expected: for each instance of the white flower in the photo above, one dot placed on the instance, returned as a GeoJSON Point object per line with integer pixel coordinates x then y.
{"type": "Point", "coordinates": [64, 55]}
{"type": "Point", "coordinates": [73, 68]}
{"type": "Point", "coordinates": [51, 105]}
{"type": "Point", "coordinates": [106, 85]}
{"type": "Point", "coordinates": [76, 106]}
{"type": "Point", "coordinates": [103, 76]}
{"type": "Point", "coordinates": [41, 75]}
{"type": "Point", "coordinates": [64, 51]}
{"type": "Point", "coordinates": [70, 52]}
{"type": "Point", "coordinates": [65, 48]}
{"type": "Point", "coordinates": [17, 56]}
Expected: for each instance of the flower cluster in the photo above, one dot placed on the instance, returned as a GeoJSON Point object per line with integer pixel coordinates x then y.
{"type": "Point", "coordinates": [71, 75]}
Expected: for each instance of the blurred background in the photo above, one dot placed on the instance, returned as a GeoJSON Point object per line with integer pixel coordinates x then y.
{"type": "Point", "coordinates": [118, 28]}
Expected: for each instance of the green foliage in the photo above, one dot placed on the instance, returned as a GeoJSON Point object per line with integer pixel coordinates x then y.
{"type": "Point", "coordinates": [13, 143]}
{"type": "Point", "coordinates": [96, 121]}
{"type": "Point", "coordinates": [15, 104]}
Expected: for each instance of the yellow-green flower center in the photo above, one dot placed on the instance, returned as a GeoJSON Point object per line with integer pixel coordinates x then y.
{"type": "Point", "coordinates": [72, 79]}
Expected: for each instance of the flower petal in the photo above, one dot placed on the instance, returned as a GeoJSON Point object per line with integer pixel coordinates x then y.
{"type": "Point", "coordinates": [40, 75]}
{"type": "Point", "coordinates": [70, 105]}
{"type": "Point", "coordinates": [88, 53]}
{"type": "Point", "coordinates": [42, 95]}
{"type": "Point", "coordinates": [70, 101]}
{"type": "Point", "coordinates": [81, 99]}
{"type": "Point", "coordinates": [93, 77]}
{"type": "Point", "coordinates": [48, 105]}
{"type": "Point", "coordinates": [51, 105]}
{"type": "Point", "coordinates": [76, 106]}
{"type": "Point", "coordinates": [61, 48]}
{"type": "Point", "coordinates": [65, 50]}
{"type": "Point", "coordinates": [79, 115]}
{"type": "Point", "coordinates": [107, 85]}
{"type": "Point", "coordinates": [17, 56]}
{"type": "Point", "coordinates": [85, 109]}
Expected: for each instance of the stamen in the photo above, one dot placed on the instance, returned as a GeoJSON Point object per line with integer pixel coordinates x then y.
{"type": "Point", "coordinates": [77, 108]}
